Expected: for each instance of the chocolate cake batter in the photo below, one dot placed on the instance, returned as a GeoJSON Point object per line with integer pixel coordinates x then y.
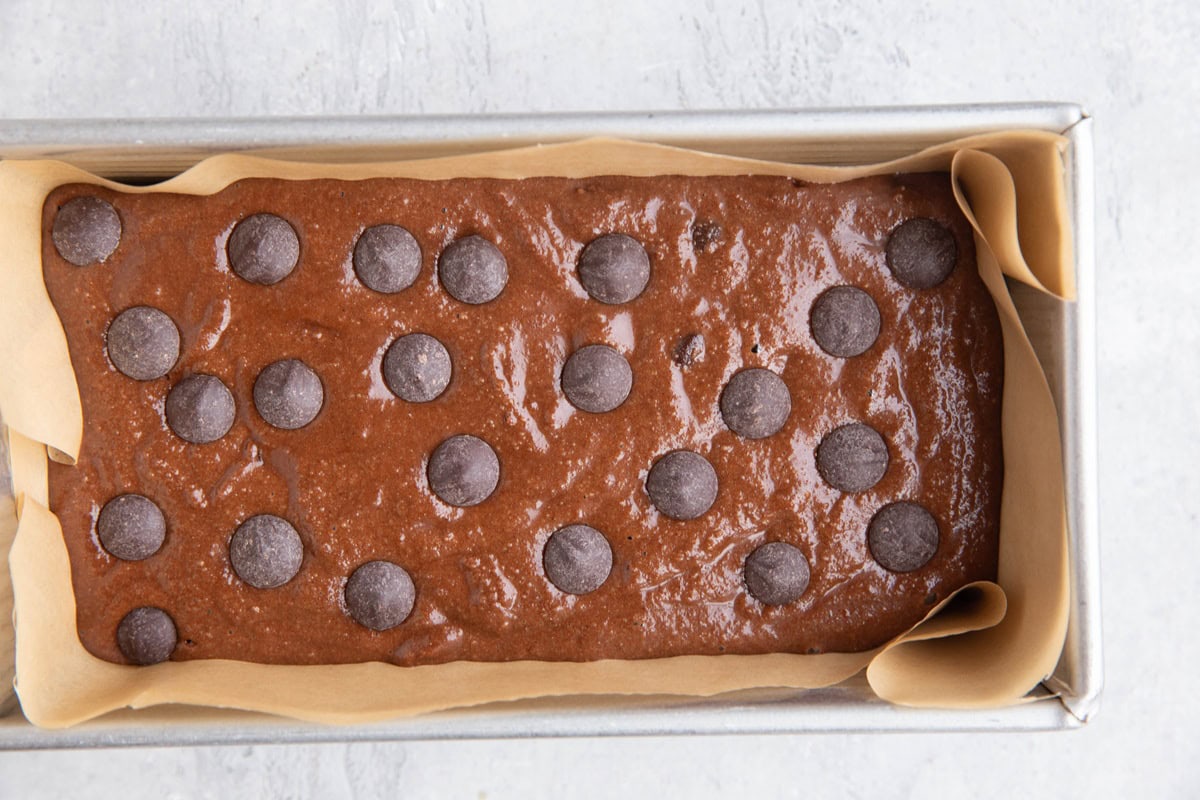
{"type": "Point", "coordinates": [707, 295]}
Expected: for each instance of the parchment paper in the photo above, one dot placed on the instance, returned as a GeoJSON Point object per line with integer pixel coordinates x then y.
{"type": "Point", "coordinates": [987, 646]}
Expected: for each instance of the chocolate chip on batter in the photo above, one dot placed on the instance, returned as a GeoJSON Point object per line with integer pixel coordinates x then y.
{"type": "Point", "coordinates": [777, 573]}
{"type": "Point", "coordinates": [755, 403]}
{"type": "Point", "coordinates": [706, 235]}
{"type": "Point", "coordinates": [902, 536]}
{"type": "Point", "coordinates": [614, 268]}
{"type": "Point", "coordinates": [131, 527]}
{"type": "Point", "coordinates": [463, 470]}
{"type": "Point", "coordinates": [577, 559]}
{"type": "Point", "coordinates": [921, 252]}
{"type": "Point", "coordinates": [142, 343]}
{"type": "Point", "coordinates": [417, 368]}
{"type": "Point", "coordinates": [690, 350]}
{"type": "Point", "coordinates": [86, 230]}
{"type": "Point", "coordinates": [263, 249]}
{"type": "Point", "coordinates": [852, 458]}
{"type": "Point", "coordinates": [147, 636]}
{"type": "Point", "coordinates": [288, 394]}
{"type": "Point", "coordinates": [200, 409]}
{"type": "Point", "coordinates": [387, 258]}
{"type": "Point", "coordinates": [380, 595]}
{"type": "Point", "coordinates": [682, 484]}
{"type": "Point", "coordinates": [473, 270]}
{"type": "Point", "coordinates": [845, 321]}
{"type": "Point", "coordinates": [596, 378]}
{"type": "Point", "coordinates": [266, 551]}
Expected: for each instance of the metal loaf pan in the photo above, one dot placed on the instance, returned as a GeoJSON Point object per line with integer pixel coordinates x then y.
{"type": "Point", "coordinates": [1063, 334]}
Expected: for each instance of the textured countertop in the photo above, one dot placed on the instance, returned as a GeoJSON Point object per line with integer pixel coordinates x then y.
{"type": "Point", "coordinates": [1132, 65]}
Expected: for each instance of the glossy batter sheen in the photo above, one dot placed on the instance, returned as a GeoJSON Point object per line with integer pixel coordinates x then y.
{"type": "Point", "coordinates": [739, 260]}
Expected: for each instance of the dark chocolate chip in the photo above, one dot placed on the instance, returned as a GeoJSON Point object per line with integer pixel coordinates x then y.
{"type": "Point", "coordinates": [755, 403]}
{"type": "Point", "coordinates": [288, 394]}
{"type": "Point", "coordinates": [86, 230]}
{"type": "Point", "coordinates": [263, 249]}
{"type": "Point", "coordinates": [473, 270]}
{"type": "Point", "coordinates": [417, 368]}
{"type": "Point", "coordinates": [266, 551]}
{"type": "Point", "coordinates": [577, 559]}
{"type": "Point", "coordinates": [852, 458]}
{"type": "Point", "coordinates": [463, 470]}
{"type": "Point", "coordinates": [387, 258]}
{"type": "Point", "coordinates": [845, 321]}
{"type": "Point", "coordinates": [143, 343]}
{"type": "Point", "coordinates": [380, 595]}
{"type": "Point", "coordinates": [614, 268]}
{"type": "Point", "coordinates": [131, 527]}
{"type": "Point", "coordinates": [921, 253]}
{"type": "Point", "coordinates": [690, 350]}
{"type": "Point", "coordinates": [596, 378]}
{"type": "Point", "coordinates": [200, 409]}
{"type": "Point", "coordinates": [706, 235]}
{"type": "Point", "coordinates": [682, 484]}
{"type": "Point", "coordinates": [147, 636]}
{"type": "Point", "coordinates": [777, 573]}
{"type": "Point", "coordinates": [902, 536]}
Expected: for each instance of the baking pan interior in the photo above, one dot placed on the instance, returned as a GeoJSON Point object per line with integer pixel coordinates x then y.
{"type": "Point", "coordinates": [1061, 333]}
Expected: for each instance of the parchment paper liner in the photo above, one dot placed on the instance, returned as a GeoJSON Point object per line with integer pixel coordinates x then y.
{"type": "Point", "coordinates": [968, 653]}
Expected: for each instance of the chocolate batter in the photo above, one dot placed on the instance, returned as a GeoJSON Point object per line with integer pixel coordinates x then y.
{"type": "Point", "coordinates": [735, 266]}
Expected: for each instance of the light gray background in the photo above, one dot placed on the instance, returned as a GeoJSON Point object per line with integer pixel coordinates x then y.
{"type": "Point", "coordinates": [1134, 65]}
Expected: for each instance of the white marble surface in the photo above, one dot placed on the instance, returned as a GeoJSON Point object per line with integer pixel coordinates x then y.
{"type": "Point", "coordinates": [1133, 64]}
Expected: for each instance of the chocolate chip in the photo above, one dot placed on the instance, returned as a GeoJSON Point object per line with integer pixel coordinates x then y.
{"type": "Point", "coordinates": [473, 270]}
{"type": "Point", "coordinates": [86, 230]}
{"type": "Point", "coordinates": [266, 551]}
{"type": "Point", "coordinates": [852, 458]}
{"type": "Point", "coordinates": [380, 595]}
{"type": "Point", "coordinates": [596, 378]}
{"type": "Point", "coordinates": [577, 559]}
{"type": "Point", "coordinates": [142, 343]}
{"type": "Point", "coordinates": [690, 350]}
{"type": "Point", "coordinates": [417, 368]}
{"type": "Point", "coordinates": [755, 403]}
{"type": "Point", "coordinates": [902, 536]}
{"type": "Point", "coordinates": [147, 636]}
{"type": "Point", "coordinates": [706, 235]}
{"type": "Point", "coordinates": [263, 249]}
{"type": "Point", "coordinates": [845, 321]}
{"type": "Point", "coordinates": [288, 394]}
{"type": "Point", "coordinates": [777, 573]}
{"type": "Point", "coordinates": [463, 470]}
{"type": "Point", "coordinates": [921, 253]}
{"type": "Point", "coordinates": [614, 268]}
{"type": "Point", "coordinates": [682, 484]}
{"type": "Point", "coordinates": [387, 258]}
{"type": "Point", "coordinates": [200, 409]}
{"type": "Point", "coordinates": [131, 527]}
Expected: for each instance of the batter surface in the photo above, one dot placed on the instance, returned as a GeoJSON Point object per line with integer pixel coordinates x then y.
{"type": "Point", "coordinates": [736, 264]}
